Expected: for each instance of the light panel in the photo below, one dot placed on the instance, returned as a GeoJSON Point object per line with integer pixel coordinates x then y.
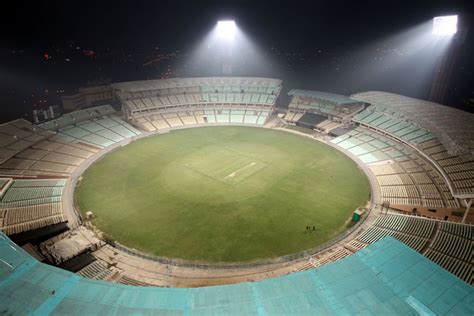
{"type": "Point", "coordinates": [445, 25]}
{"type": "Point", "coordinates": [226, 29]}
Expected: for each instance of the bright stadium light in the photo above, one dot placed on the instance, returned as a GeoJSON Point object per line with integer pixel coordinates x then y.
{"type": "Point", "coordinates": [226, 29]}
{"type": "Point", "coordinates": [227, 50]}
{"type": "Point", "coordinates": [445, 25]}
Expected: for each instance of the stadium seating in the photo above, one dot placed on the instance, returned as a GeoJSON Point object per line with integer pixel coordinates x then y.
{"type": "Point", "coordinates": [448, 244]}
{"type": "Point", "coordinates": [452, 248]}
{"type": "Point", "coordinates": [442, 133]}
{"type": "Point", "coordinates": [100, 133]}
{"type": "Point", "coordinates": [78, 135]}
{"type": "Point", "coordinates": [459, 170]}
{"type": "Point", "coordinates": [48, 157]}
{"type": "Point", "coordinates": [18, 135]}
{"type": "Point", "coordinates": [404, 177]}
{"type": "Point", "coordinates": [95, 270]}
{"type": "Point", "coordinates": [77, 116]}
{"type": "Point", "coordinates": [31, 204]}
{"type": "Point", "coordinates": [197, 115]}
{"type": "Point", "coordinates": [129, 281]}
{"type": "Point", "coordinates": [376, 232]}
{"type": "Point", "coordinates": [163, 104]}
{"type": "Point", "coordinates": [139, 96]}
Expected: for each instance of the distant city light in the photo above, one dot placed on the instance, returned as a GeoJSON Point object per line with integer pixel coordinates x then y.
{"type": "Point", "coordinates": [226, 29]}
{"type": "Point", "coordinates": [445, 25]}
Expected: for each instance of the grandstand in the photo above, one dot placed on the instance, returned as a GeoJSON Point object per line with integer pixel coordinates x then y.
{"type": "Point", "coordinates": [31, 204]}
{"type": "Point", "coordinates": [430, 142]}
{"type": "Point", "coordinates": [452, 126]}
{"type": "Point", "coordinates": [165, 104]}
{"type": "Point", "coordinates": [73, 138]}
{"type": "Point", "coordinates": [441, 134]}
{"type": "Point", "coordinates": [404, 176]}
{"type": "Point", "coordinates": [452, 248]}
{"type": "Point", "coordinates": [18, 135]}
{"type": "Point", "coordinates": [190, 117]}
{"type": "Point", "coordinates": [448, 244]}
{"type": "Point", "coordinates": [77, 116]}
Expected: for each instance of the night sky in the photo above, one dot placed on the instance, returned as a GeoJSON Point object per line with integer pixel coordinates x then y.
{"type": "Point", "coordinates": [311, 44]}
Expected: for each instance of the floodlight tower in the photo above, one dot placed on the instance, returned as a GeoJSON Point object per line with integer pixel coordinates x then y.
{"type": "Point", "coordinates": [226, 30]}
{"type": "Point", "coordinates": [446, 28]}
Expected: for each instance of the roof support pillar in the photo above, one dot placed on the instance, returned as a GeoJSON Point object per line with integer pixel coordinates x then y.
{"type": "Point", "coordinates": [468, 207]}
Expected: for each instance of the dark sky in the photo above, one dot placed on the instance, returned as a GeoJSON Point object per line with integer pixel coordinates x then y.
{"type": "Point", "coordinates": [173, 24]}
{"type": "Point", "coordinates": [338, 28]}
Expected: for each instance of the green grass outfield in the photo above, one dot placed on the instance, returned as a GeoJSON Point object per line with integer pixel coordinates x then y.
{"type": "Point", "coordinates": [223, 194]}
